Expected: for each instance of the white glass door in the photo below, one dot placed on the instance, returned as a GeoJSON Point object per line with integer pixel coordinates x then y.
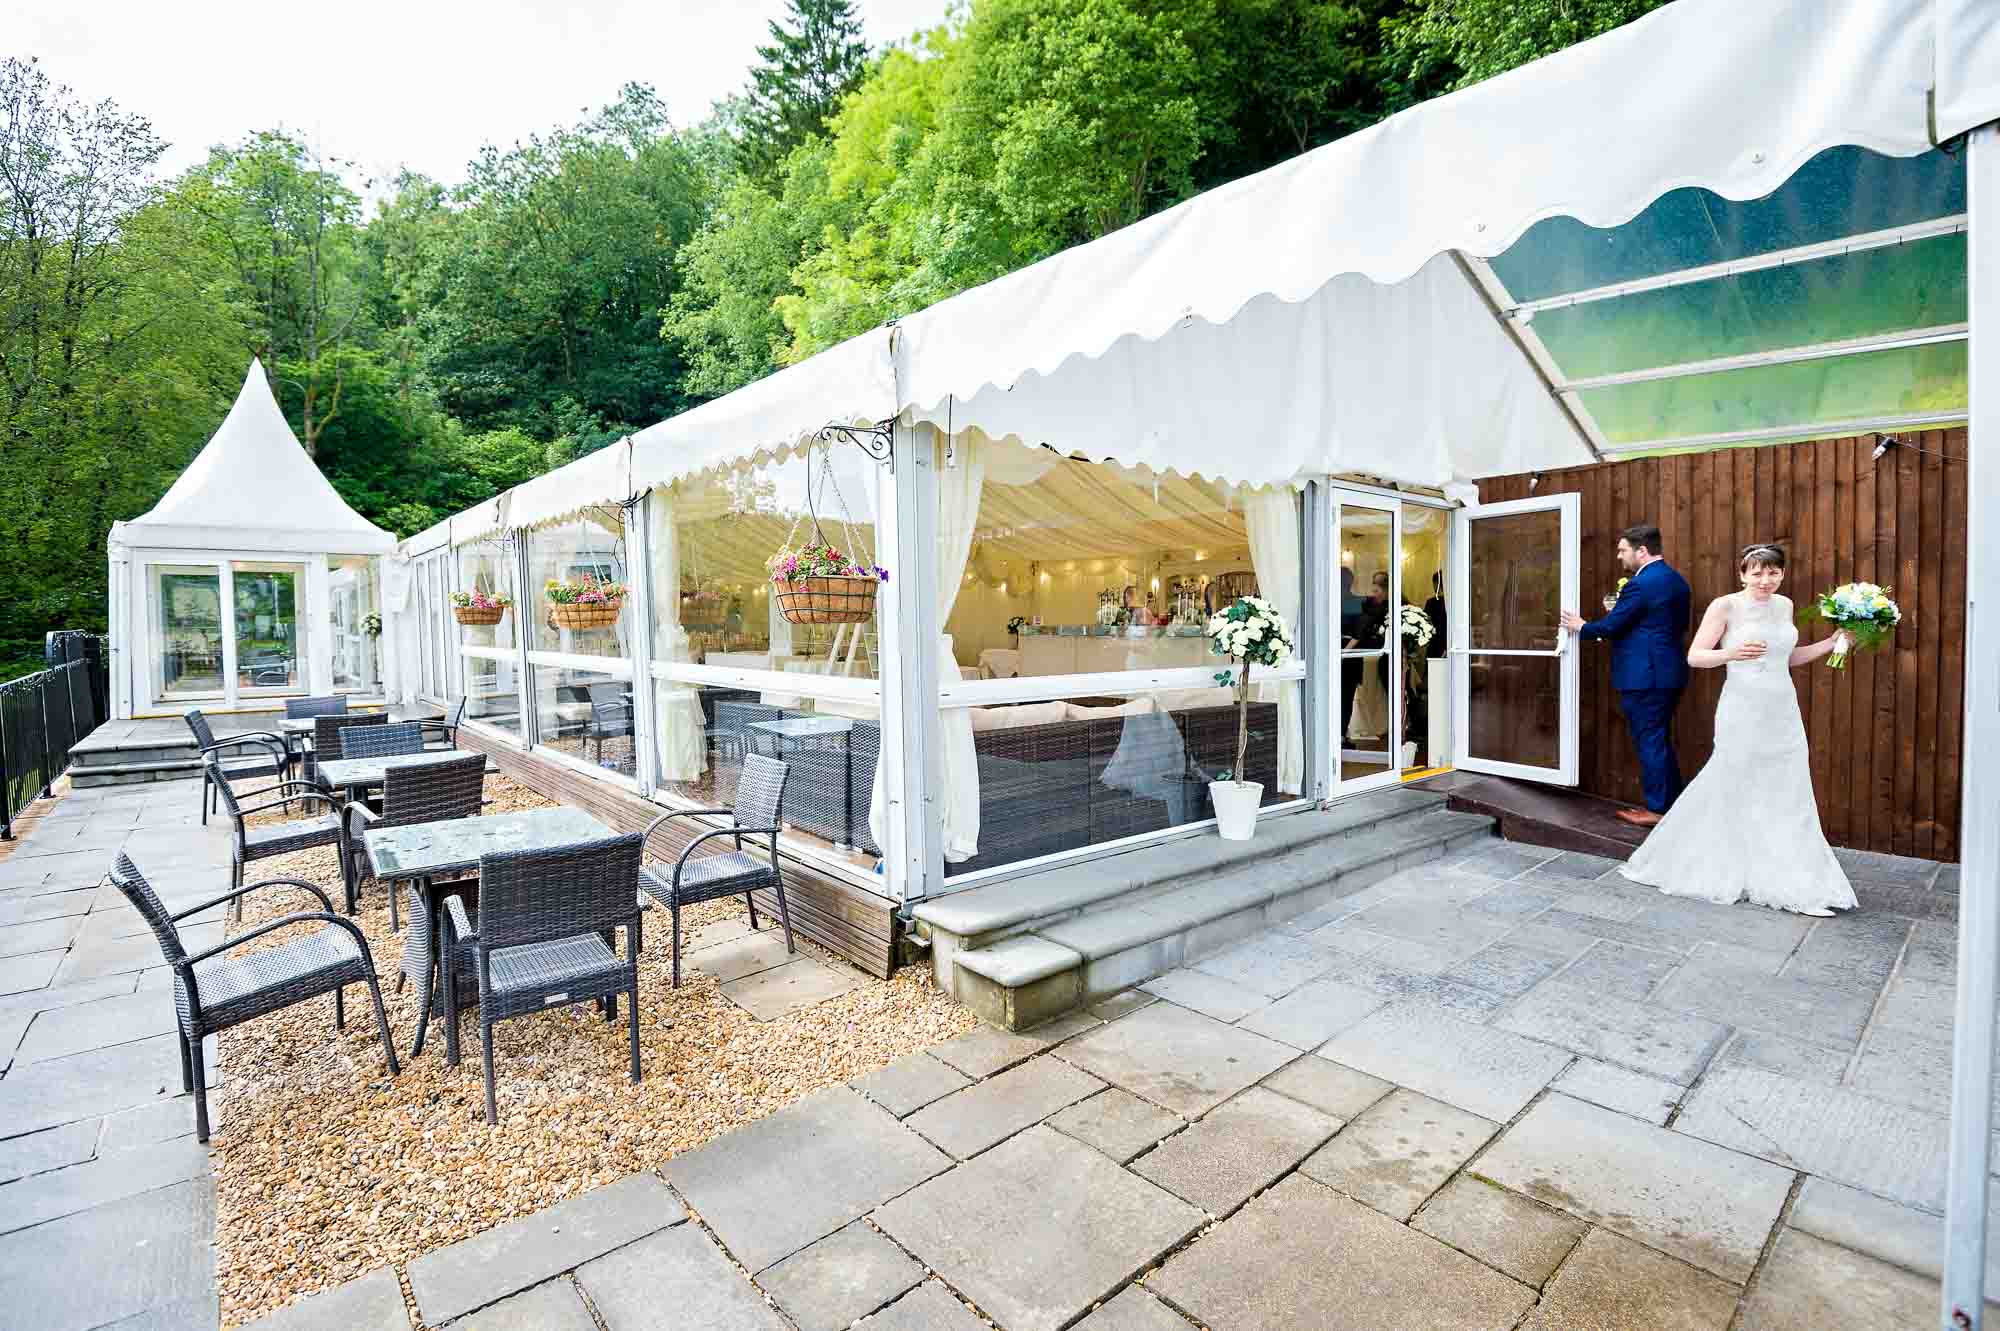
{"type": "Point", "coordinates": [1367, 590]}
{"type": "Point", "coordinates": [1515, 675]}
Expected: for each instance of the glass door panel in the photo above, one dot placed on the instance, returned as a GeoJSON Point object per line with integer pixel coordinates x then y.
{"type": "Point", "coordinates": [1425, 572]}
{"type": "Point", "coordinates": [1367, 588]}
{"type": "Point", "coordinates": [1515, 569]}
{"type": "Point", "coordinates": [187, 631]}
{"type": "Point", "coordinates": [269, 612]}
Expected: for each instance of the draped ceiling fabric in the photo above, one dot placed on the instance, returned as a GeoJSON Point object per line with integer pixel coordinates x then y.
{"type": "Point", "coordinates": [677, 714]}
{"type": "Point", "coordinates": [1273, 519]}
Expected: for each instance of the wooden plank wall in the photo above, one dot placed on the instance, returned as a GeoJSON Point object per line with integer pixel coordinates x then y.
{"type": "Point", "coordinates": [1886, 733]}
{"type": "Point", "coordinates": [838, 916]}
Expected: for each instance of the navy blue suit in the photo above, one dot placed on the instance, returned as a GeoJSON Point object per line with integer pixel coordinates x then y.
{"type": "Point", "coordinates": [1647, 630]}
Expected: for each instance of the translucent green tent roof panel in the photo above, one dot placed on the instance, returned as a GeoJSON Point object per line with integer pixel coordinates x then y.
{"type": "Point", "coordinates": [1839, 193]}
{"type": "Point", "coordinates": [1871, 386]}
{"type": "Point", "coordinates": [1866, 293]}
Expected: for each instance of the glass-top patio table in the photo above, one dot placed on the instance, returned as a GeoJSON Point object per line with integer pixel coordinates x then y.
{"type": "Point", "coordinates": [423, 853]}
{"type": "Point", "coordinates": [358, 774]}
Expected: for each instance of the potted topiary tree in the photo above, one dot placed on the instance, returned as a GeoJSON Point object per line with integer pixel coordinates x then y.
{"type": "Point", "coordinates": [1249, 632]}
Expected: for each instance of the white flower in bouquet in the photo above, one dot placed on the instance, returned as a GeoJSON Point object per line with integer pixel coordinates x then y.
{"type": "Point", "coordinates": [1252, 632]}
{"type": "Point", "coordinates": [1416, 626]}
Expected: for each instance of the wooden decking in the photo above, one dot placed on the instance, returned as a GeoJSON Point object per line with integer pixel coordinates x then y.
{"type": "Point", "coordinates": [1538, 815]}
{"type": "Point", "coordinates": [844, 919]}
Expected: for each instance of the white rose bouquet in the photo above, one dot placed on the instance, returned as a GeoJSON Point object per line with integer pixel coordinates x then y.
{"type": "Point", "coordinates": [1862, 611]}
{"type": "Point", "coordinates": [1416, 627]}
{"type": "Point", "coordinates": [1250, 631]}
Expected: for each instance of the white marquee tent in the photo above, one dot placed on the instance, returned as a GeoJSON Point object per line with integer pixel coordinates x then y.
{"type": "Point", "coordinates": [251, 543]}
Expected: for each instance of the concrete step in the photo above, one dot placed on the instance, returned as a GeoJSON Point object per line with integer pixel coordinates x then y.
{"type": "Point", "coordinates": [83, 777]}
{"type": "Point", "coordinates": [107, 756]}
{"type": "Point", "coordinates": [1045, 967]}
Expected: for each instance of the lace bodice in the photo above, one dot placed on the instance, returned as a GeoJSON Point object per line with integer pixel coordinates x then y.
{"type": "Point", "coordinates": [1771, 621]}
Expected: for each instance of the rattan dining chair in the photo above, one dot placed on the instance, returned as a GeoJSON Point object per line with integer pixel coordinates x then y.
{"type": "Point", "coordinates": [250, 844]}
{"type": "Point", "coordinates": [760, 793]}
{"type": "Point", "coordinates": [381, 741]}
{"type": "Point", "coordinates": [213, 992]}
{"type": "Point", "coordinates": [610, 714]}
{"type": "Point", "coordinates": [427, 794]}
{"type": "Point", "coordinates": [274, 757]}
{"type": "Point", "coordinates": [444, 727]}
{"type": "Point", "coordinates": [326, 734]}
{"type": "Point", "coordinates": [544, 936]}
{"type": "Point", "coordinates": [331, 705]}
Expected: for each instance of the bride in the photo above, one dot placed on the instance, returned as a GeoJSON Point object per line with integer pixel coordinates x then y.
{"type": "Point", "coordinates": [1747, 826]}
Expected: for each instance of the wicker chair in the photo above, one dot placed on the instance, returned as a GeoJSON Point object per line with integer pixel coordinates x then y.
{"type": "Point", "coordinates": [544, 936]}
{"type": "Point", "coordinates": [299, 708]}
{"type": "Point", "coordinates": [610, 714]}
{"type": "Point", "coordinates": [381, 741]}
{"type": "Point", "coordinates": [760, 791]}
{"type": "Point", "coordinates": [444, 727]}
{"type": "Point", "coordinates": [260, 843]}
{"type": "Point", "coordinates": [274, 757]}
{"type": "Point", "coordinates": [326, 733]}
{"type": "Point", "coordinates": [427, 794]}
{"type": "Point", "coordinates": [213, 992]}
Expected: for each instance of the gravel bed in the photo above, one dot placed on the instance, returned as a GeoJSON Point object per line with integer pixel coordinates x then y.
{"type": "Point", "coordinates": [327, 1168]}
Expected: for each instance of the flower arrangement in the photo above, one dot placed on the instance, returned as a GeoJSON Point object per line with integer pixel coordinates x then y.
{"type": "Point", "coordinates": [1862, 611]}
{"type": "Point", "coordinates": [1017, 623]}
{"type": "Point", "coordinates": [587, 603]}
{"type": "Point", "coordinates": [371, 624]}
{"type": "Point", "coordinates": [818, 584]}
{"type": "Point", "coordinates": [477, 607]}
{"type": "Point", "coordinates": [1416, 627]}
{"type": "Point", "coordinates": [1250, 631]}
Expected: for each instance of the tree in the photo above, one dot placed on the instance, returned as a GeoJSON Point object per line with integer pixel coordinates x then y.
{"type": "Point", "coordinates": [815, 57]}
{"type": "Point", "coordinates": [1481, 38]}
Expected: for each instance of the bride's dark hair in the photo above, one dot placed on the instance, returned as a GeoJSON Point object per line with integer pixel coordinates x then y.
{"type": "Point", "coordinates": [1762, 554]}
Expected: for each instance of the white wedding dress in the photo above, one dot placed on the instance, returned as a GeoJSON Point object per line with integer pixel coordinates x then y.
{"type": "Point", "coordinates": [1747, 828]}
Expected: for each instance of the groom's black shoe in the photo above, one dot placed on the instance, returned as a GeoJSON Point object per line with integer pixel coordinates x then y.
{"type": "Point", "coordinates": [1640, 817]}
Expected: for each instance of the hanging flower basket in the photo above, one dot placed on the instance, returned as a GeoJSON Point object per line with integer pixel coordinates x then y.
{"type": "Point", "coordinates": [595, 615]}
{"type": "Point", "coordinates": [477, 607]}
{"type": "Point", "coordinates": [584, 604]}
{"type": "Point", "coordinates": [817, 584]}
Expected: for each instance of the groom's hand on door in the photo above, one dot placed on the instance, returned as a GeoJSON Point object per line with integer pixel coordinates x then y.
{"type": "Point", "coordinates": [1572, 621]}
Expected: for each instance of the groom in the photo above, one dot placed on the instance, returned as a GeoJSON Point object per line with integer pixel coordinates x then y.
{"type": "Point", "coordinates": [1648, 632]}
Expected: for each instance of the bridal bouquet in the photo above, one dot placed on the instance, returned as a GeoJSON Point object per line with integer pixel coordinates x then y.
{"type": "Point", "coordinates": [1861, 610]}
{"type": "Point", "coordinates": [1416, 627]}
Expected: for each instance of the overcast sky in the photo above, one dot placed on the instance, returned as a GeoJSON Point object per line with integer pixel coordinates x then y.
{"type": "Point", "coordinates": [422, 83]}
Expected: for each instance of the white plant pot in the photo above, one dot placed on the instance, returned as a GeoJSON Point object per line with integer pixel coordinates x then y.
{"type": "Point", "coordinates": [1236, 807]}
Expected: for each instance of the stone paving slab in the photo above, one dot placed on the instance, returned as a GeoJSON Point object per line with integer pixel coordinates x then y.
{"type": "Point", "coordinates": [45, 1095]}
{"type": "Point", "coordinates": [910, 1083]}
{"type": "Point", "coordinates": [552, 1306]}
{"type": "Point", "coordinates": [162, 1120]}
{"type": "Point", "coordinates": [832, 1157]}
{"type": "Point", "coordinates": [1399, 1151]}
{"type": "Point", "coordinates": [373, 1302]}
{"type": "Point", "coordinates": [1613, 1282]}
{"type": "Point", "coordinates": [1312, 1014]}
{"type": "Point", "coordinates": [1178, 1059]}
{"type": "Point", "coordinates": [1932, 954]}
{"type": "Point", "coordinates": [1809, 1284]}
{"type": "Point", "coordinates": [53, 905]}
{"type": "Point", "coordinates": [1897, 1234]}
{"type": "Point", "coordinates": [1338, 1091]}
{"type": "Point", "coordinates": [1133, 1310]}
{"type": "Point", "coordinates": [1507, 967]}
{"type": "Point", "coordinates": [677, 1280]}
{"type": "Point", "coordinates": [1603, 1026]}
{"type": "Point", "coordinates": [1117, 1123]}
{"type": "Point", "coordinates": [1622, 970]}
{"type": "Point", "coordinates": [1705, 1205]}
{"type": "Point", "coordinates": [154, 1250]}
{"type": "Point", "coordinates": [1796, 1009]}
{"type": "Point", "coordinates": [1855, 1139]}
{"type": "Point", "coordinates": [1302, 1255]}
{"type": "Point", "coordinates": [983, 1052]}
{"type": "Point", "coordinates": [1787, 1058]}
{"type": "Point", "coordinates": [46, 935]}
{"type": "Point", "coordinates": [61, 1192]}
{"type": "Point", "coordinates": [846, 1275]}
{"type": "Point", "coordinates": [1507, 1231]}
{"type": "Point", "coordinates": [52, 1148]}
{"type": "Point", "coordinates": [1618, 1088]}
{"type": "Point", "coordinates": [1271, 964]}
{"type": "Point", "coordinates": [969, 1121]}
{"type": "Point", "coordinates": [928, 1307]}
{"type": "Point", "coordinates": [1490, 1072]}
{"type": "Point", "coordinates": [1516, 901]}
{"type": "Point", "coordinates": [1075, 1227]}
{"type": "Point", "coordinates": [33, 971]}
{"type": "Point", "coordinates": [746, 954]}
{"type": "Point", "coordinates": [1210, 995]}
{"type": "Point", "coordinates": [1660, 938]}
{"type": "Point", "coordinates": [1122, 1004]}
{"type": "Point", "coordinates": [1850, 950]}
{"type": "Point", "coordinates": [98, 1025]}
{"type": "Point", "coordinates": [1498, 859]}
{"type": "Point", "coordinates": [768, 995]}
{"type": "Point", "coordinates": [488, 1267]}
{"type": "Point", "coordinates": [1239, 1148]}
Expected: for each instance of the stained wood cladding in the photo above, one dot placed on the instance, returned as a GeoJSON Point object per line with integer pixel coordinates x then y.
{"type": "Point", "coordinates": [844, 919]}
{"type": "Point", "coordinates": [1886, 733]}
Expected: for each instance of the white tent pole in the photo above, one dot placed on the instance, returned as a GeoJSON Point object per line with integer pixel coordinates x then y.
{"type": "Point", "coordinates": [1979, 893]}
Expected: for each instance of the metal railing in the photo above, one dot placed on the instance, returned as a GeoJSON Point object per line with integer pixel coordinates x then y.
{"type": "Point", "coordinates": [43, 715]}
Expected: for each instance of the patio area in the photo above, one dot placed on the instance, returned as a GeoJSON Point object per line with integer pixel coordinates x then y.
{"type": "Point", "coordinates": [1504, 1090]}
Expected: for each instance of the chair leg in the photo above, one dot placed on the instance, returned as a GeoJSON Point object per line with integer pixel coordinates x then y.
{"type": "Point", "coordinates": [236, 882]}
{"type": "Point", "coordinates": [632, 1021]}
{"type": "Point", "coordinates": [187, 1068]}
{"type": "Point", "coordinates": [448, 965]}
{"type": "Point", "coordinates": [382, 1025]}
{"type": "Point", "coordinates": [486, 1043]}
{"type": "Point", "coordinates": [751, 902]}
{"type": "Point", "coordinates": [395, 920]}
{"type": "Point", "coordinates": [784, 912]}
{"type": "Point", "coordinates": [200, 1089]}
{"type": "Point", "coordinates": [676, 911]}
{"type": "Point", "coordinates": [204, 796]}
{"type": "Point", "coordinates": [340, 1008]}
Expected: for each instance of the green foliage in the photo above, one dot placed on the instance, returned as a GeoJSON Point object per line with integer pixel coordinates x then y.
{"type": "Point", "coordinates": [815, 57]}
{"type": "Point", "coordinates": [1481, 38]}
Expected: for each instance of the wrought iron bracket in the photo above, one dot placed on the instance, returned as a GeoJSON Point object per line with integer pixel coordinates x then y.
{"type": "Point", "coordinates": [877, 441]}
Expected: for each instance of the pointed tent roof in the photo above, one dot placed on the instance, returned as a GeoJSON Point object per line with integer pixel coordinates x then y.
{"type": "Point", "coordinates": [252, 487]}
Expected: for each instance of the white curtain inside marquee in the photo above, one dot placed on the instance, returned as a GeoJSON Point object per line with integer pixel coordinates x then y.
{"type": "Point", "coordinates": [677, 716]}
{"type": "Point", "coordinates": [1272, 515]}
